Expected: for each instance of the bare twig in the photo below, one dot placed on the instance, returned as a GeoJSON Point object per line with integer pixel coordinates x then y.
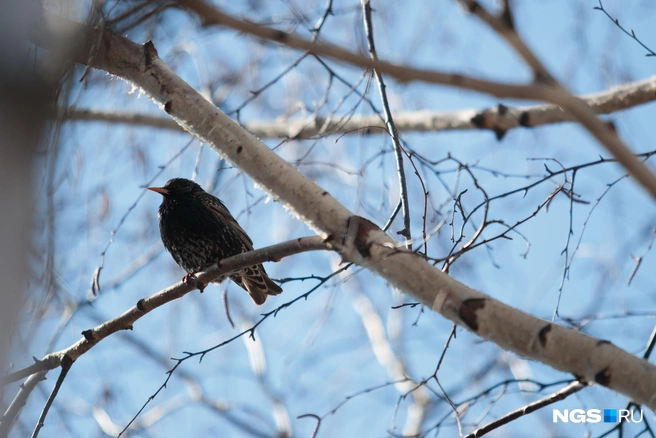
{"type": "Point", "coordinates": [65, 367]}
{"type": "Point", "coordinates": [316, 428]}
{"type": "Point", "coordinates": [631, 34]}
{"type": "Point", "coordinates": [249, 331]}
{"type": "Point", "coordinates": [95, 282]}
{"type": "Point", "coordinates": [389, 122]}
{"type": "Point", "coordinates": [531, 407]}
{"type": "Point", "coordinates": [638, 260]}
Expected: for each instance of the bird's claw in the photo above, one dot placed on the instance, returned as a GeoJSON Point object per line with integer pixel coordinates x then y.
{"type": "Point", "coordinates": [187, 279]}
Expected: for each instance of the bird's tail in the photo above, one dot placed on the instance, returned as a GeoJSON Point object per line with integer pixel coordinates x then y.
{"type": "Point", "coordinates": [257, 283]}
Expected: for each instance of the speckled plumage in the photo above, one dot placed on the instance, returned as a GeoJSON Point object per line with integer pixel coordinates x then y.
{"type": "Point", "coordinates": [198, 230]}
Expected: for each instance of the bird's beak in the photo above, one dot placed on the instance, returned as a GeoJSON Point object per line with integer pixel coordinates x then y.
{"type": "Point", "coordinates": [161, 190]}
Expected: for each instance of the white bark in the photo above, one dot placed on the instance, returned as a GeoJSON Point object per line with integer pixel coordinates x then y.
{"type": "Point", "coordinates": [499, 119]}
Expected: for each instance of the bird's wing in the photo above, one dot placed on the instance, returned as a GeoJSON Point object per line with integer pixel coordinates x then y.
{"type": "Point", "coordinates": [217, 206]}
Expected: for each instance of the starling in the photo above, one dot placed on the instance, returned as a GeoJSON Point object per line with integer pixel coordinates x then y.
{"type": "Point", "coordinates": [198, 230]}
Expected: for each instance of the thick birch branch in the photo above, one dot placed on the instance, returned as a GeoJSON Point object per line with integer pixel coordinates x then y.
{"type": "Point", "coordinates": [359, 240]}
{"type": "Point", "coordinates": [499, 119]}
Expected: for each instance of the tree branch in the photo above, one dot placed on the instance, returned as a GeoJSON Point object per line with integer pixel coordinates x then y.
{"type": "Point", "coordinates": [19, 401]}
{"type": "Point", "coordinates": [126, 320]}
{"type": "Point", "coordinates": [389, 125]}
{"type": "Point", "coordinates": [499, 119]}
{"type": "Point", "coordinates": [605, 134]}
{"type": "Point", "coordinates": [531, 407]}
{"type": "Point", "coordinates": [65, 367]}
{"type": "Point", "coordinates": [544, 88]}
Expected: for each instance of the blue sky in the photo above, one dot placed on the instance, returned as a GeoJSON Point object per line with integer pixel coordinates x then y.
{"type": "Point", "coordinates": [317, 351]}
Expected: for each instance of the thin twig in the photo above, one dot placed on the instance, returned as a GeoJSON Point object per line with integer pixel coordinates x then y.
{"type": "Point", "coordinates": [631, 34]}
{"type": "Point", "coordinates": [65, 367]}
{"type": "Point", "coordinates": [641, 257]}
{"type": "Point", "coordinates": [316, 428]}
{"type": "Point", "coordinates": [389, 122]}
{"type": "Point", "coordinates": [249, 331]}
{"type": "Point", "coordinates": [95, 282]}
{"type": "Point", "coordinates": [531, 407]}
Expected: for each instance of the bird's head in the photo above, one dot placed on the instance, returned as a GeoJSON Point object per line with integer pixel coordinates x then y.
{"type": "Point", "coordinates": [177, 187]}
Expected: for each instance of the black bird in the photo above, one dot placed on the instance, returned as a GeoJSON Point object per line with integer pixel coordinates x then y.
{"type": "Point", "coordinates": [198, 230]}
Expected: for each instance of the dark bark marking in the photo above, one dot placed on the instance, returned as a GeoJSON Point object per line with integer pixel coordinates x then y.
{"type": "Point", "coordinates": [150, 52]}
{"type": "Point", "coordinates": [364, 227]}
{"type": "Point", "coordinates": [542, 335]}
{"type": "Point", "coordinates": [603, 377]}
{"type": "Point", "coordinates": [468, 311]}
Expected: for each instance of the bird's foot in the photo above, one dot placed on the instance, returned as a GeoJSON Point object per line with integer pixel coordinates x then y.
{"type": "Point", "coordinates": [189, 278]}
